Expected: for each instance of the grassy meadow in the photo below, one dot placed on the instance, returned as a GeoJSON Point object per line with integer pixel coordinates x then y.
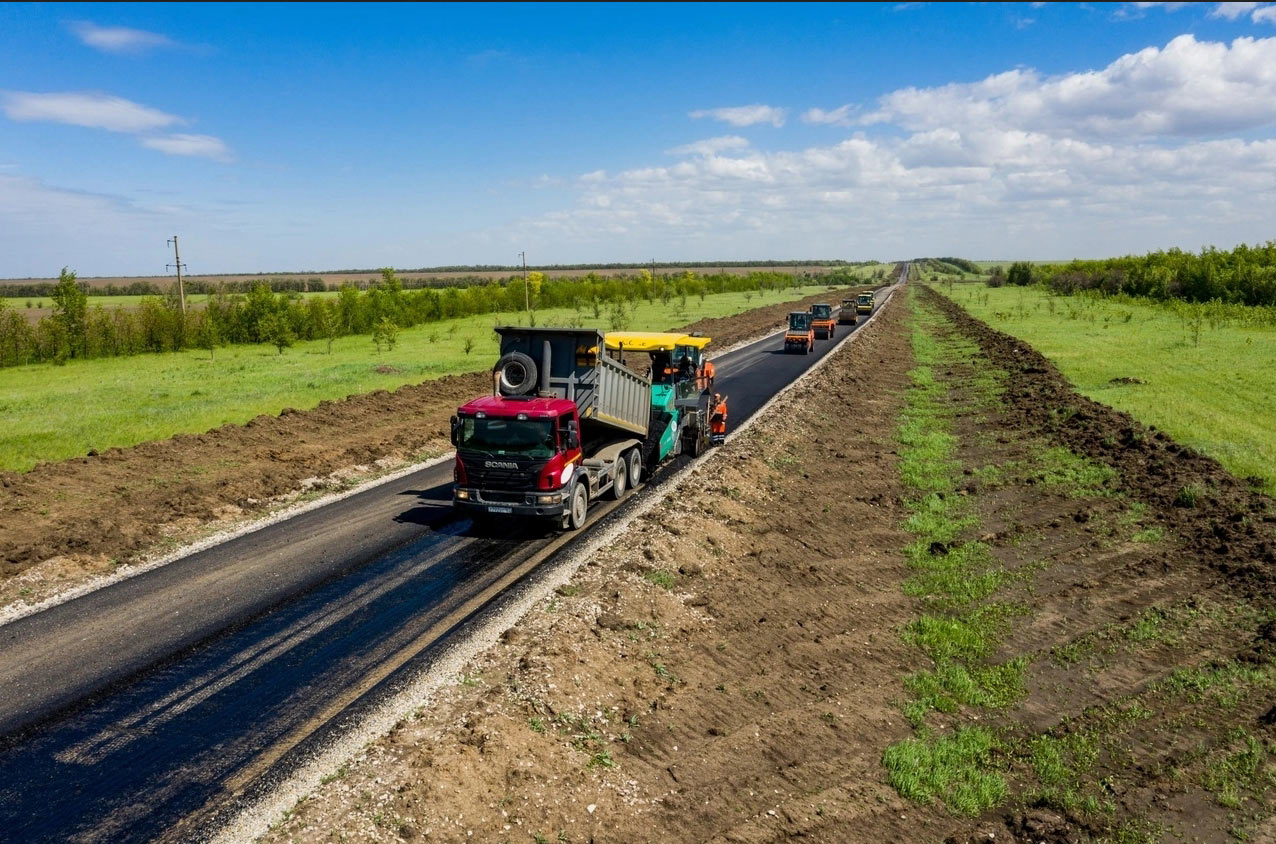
{"type": "Point", "coordinates": [52, 412]}
{"type": "Point", "coordinates": [1210, 386]}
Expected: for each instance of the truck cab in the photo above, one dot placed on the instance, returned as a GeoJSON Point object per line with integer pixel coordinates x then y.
{"type": "Point", "coordinates": [864, 303]}
{"type": "Point", "coordinates": [822, 321]}
{"type": "Point", "coordinates": [800, 336]}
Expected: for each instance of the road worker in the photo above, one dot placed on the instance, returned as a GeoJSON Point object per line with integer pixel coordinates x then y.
{"type": "Point", "coordinates": [718, 420]}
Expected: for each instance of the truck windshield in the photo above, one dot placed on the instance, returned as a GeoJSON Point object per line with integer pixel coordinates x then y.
{"type": "Point", "coordinates": [799, 322]}
{"type": "Point", "coordinates": [822, 311]}
{"type": "Point", "coordinates": [524, 437]}
{"type": "Point", "coordinates": [865, 299]}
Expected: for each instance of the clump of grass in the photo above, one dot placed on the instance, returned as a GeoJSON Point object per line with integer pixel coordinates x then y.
{"type": "Point", "coordinates": [956, 769]}
{"type": "Point", "coordinates": [1079, 476]}
{"type": "Point", "coordinates": [1187, 496]}
{"type": "Point", "coordinates": [1235, 775]}
{"type": "Point", "coordinates": [663, 578]}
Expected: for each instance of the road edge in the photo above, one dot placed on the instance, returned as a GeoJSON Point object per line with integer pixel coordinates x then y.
{"type": "Point", "coordinates": [255, 820]}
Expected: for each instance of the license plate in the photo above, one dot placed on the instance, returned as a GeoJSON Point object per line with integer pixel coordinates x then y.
{"type": "Point", "coordinates": [492, 509]}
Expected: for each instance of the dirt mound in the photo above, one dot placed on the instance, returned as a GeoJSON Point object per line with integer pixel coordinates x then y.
{"type": "Point", "coordinates": [1230, 526]}
{"type": "Point", "coordinates": [82, 517]}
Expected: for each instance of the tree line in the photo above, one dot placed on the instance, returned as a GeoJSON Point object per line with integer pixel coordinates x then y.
{"type": "Point", "coordinates": [262, 315]}
{"type": "Point", "coordinates": [1245, 275]}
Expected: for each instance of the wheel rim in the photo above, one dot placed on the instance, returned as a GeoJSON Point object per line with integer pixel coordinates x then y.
{"type": "Point", "coordinates": [622, 473]}
{"type": "Point", "coordinates": [580, 505]}
{"type": "Point", "coordinates": [635, 468]}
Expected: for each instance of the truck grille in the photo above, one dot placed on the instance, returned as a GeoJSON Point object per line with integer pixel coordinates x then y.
{"type": "Point", "coordinates": [521, 479]}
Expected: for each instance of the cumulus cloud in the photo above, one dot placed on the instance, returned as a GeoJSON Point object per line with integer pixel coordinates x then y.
{"type": "Point", "coordinates": [1132, 156]}
{"type": "Point", "coordinates": [1232, 11]}
{"type": "Point", "coordinates": [97, 111]}
{"type": "Point", "coordinates": [1187, 88]}
{"type": "Point", "coordinates": [198, 146]}
{"type": "Point", "coordinates": [118, 39]}
{"type": "Point", "coordinates": [711, 146]}
{"type": "Point", "coordinates": [1267, 14]}
{"type": "Point", "coordinates": [840, 116]}
{"type": "Point", "coordinates": [744, 115]}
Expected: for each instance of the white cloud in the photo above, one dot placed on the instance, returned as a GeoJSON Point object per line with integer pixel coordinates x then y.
{"type": "Point", "coordinates": [118, 39]}
{"type": "Point", "coordinates": [97, 111]}
{"type": "Point", "coordinates": [710, 146]}
{"type": "Point", "coordinates": [744, 115]}
{"type": "Point", "coordinates": [1187, 88]}
{"type": "Point", "coordinates": [840, 116]}
{"type": "Point", "coordinates": [1267, 14]}
{"type": "Point", "coordinates": [1232, 11]}
{"type": "Point", "coordinates": [198, 146]}
{"type": "Point", "coordinates": [1120, 159]}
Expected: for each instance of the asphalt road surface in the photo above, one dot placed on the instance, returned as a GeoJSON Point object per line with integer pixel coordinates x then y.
{"type": "Point", "coordinates": [149, 709]}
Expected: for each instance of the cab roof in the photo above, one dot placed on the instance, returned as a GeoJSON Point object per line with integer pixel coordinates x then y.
{"type": "Point", "coordinates": [506, 407]}
{"type": "Point", "coordinates": [653, 341]}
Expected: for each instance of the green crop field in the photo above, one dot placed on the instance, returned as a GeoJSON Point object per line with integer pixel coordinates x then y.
{"type": "Point", "coordinates": [52, 412]}
{"type": "Point", "coordinates": [1210, 386]}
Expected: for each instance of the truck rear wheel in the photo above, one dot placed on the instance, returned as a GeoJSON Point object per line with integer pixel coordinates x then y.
{"type": "Point", "coordinates": [579, 508]}
{"type": "Point", "coordinates": [635, 467]}
{"type": "Point", "coordinates": [620, 486]}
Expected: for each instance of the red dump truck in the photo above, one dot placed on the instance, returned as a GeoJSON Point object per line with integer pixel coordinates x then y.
{"type": "Point", "coordinates": [567, 424]}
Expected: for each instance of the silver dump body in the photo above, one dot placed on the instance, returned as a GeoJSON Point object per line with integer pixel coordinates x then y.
{"type": "Point", "coordinates": [571, 363]}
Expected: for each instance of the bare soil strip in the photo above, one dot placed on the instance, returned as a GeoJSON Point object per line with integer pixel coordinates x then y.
{"type": "Point", "coordinates": [63, 523]}
{"type": "Point", "coordinates": [1102, 668]}
{"type": "Point", "coordinates": [726, 671]}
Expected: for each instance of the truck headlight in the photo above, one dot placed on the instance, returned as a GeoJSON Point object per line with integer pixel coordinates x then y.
{"type": "Point", "coordinates": [556, 498]}
{"type": "Point", "coordinates": [462, 495]}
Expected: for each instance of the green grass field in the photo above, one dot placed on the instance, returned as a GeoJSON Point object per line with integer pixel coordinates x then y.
{"type": "Point", "coordinates": [1213, 392]}
{"type": "Point", "coordinates": [53, 412]}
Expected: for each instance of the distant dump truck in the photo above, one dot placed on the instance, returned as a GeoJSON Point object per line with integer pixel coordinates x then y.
{"type": "Point", "coordinates": [822, 321]}
{"type": "Point", "coordinates": [864, 303]}
{"type": "Point", "coordinates": [800, 336]}
{"type": "Point", "coordinates": [846, 315]}
{"type": "Point", "coordinates": [567, 423]}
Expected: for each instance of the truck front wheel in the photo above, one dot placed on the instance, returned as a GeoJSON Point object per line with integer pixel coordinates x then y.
{"type": "Point", "coordinates": [578, 509]}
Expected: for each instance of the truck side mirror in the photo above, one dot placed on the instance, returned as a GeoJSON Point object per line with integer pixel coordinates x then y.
{"type": "Point", "coordinates": [573, 435]}
{"type": "Point", "coordinates": [456, 430]}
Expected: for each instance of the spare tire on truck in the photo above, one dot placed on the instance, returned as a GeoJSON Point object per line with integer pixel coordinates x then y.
{"type": "Point", "coordinates": [517, 373]}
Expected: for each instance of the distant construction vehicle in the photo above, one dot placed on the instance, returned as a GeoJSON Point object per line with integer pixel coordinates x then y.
{"type": "Point", "coordinates": [567, 423]}
{"type": "Point", "coordinates": [822, 321]}
{"type": "Point", "coordinates": [864, 304]}
{"type": "Point", "coordinates": [800, 337]}
{"type": "Point", "coordinates": [846, 314]}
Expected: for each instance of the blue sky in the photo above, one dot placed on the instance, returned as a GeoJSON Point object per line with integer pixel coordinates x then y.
{"type": "Point", "coordinates": [294, 137]}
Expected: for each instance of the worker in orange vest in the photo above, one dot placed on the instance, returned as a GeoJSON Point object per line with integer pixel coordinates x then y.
{"type": "Point", "coordinates": [718, 420]}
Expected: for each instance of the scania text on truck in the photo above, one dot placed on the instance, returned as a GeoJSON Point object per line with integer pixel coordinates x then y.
{"type": "Point", "coordinates": [567, 423]}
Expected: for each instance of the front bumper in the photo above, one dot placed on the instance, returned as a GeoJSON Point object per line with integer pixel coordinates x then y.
{"type": "Point", "coordinates": [499, 503]}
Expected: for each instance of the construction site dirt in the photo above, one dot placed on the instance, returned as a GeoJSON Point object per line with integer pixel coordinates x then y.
{"type": "Point", "coordinates": [739, 665]}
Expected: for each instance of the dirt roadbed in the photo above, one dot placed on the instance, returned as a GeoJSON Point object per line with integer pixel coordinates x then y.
{"type": "Point", "coordinates": [64, 523]}
{"type": "Point", "coordinates": [933, 595]}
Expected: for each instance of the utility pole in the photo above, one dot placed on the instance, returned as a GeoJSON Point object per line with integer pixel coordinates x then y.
{"type": "Point", "coordinates": [527, 296]}
{"type": "Point", "coordinates": [177, 262]}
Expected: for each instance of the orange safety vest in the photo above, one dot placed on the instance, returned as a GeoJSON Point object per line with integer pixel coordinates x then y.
{"type": "Point", "coordinates": [718, 421]}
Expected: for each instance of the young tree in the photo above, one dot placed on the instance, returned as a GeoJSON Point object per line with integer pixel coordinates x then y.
{"type": "Point", "coordinates": [274, 329]}
{"type": "Point", "coordinates": [469, 345]}
{"type": "Point", "coordinates": [206, 333]}
{"type": "Point", "coordinates": [385, 333]}
{"type": "Point", "coordinates": [70, 308]}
